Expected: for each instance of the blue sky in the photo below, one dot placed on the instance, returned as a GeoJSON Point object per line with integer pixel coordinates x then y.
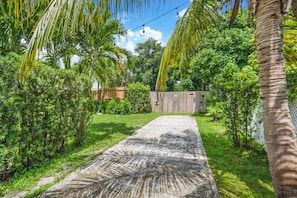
{"type": "Point", "coordinates": [159, 29]}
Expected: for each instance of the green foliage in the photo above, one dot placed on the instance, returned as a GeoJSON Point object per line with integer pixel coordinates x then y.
{"type": "Point", "coordinates": [17, 20]}
{"type": "Point", "coordinates": [237, 93]}
{"type": "Point", "coordinates": [219, 47]}
{"type": "Point", "coordinates": [225, 62]}
{"type": "Point", "coordinates": [39, 118]}
{"type": "Point", "coordinates": [115, 106]}
{"type": "Point", "coordinates": [292, 83]}
{"type": "Point", "coordinates": [139, 97]}
{"type": "Point", "coordinates": [237, 172]}
{"type": "Point", "coordinates": [112, 107]}
{"type": "Point", "coordinates": [147, 62]}
{"type": "Point", "coordinates": [215, 111]}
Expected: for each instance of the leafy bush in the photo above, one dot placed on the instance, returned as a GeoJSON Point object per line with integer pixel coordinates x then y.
{"type": "Point", "coordinates": [112, 107]}
{"type": "Point", "coordinates": [236, 92]}
{"type": "Point", "coordinates": [42, 116]}
{"type": "Point", "coordinates": [116, 106]}
{"type": "Point", "coordinates": [139, 98]}
{"type": "Point", "coordinates": [125, 107]}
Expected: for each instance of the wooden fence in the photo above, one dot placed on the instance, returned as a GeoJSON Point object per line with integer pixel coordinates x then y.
{"type": "Point", "coordinates": [164, 102]}
{"type": "Point", "coordinates": [110, 93]}
{"type": "Point", "coordinates": [178, 102]}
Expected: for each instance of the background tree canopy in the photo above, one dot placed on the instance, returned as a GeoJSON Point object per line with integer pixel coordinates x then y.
{"type": "Point", "coordinates": [221, 46]}
{"type": "Point", "coordinates": [147, 61]}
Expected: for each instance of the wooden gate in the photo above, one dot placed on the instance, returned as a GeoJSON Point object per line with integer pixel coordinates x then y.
{"type": "Point", "coordinates": [178, 102]}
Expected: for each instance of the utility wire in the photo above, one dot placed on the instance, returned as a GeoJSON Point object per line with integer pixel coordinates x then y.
{"type": "Point", "coordinates": [156, 18]}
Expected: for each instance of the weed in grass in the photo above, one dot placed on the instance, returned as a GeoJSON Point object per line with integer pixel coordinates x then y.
{"type": "Point", "coordinates": [237, 172]}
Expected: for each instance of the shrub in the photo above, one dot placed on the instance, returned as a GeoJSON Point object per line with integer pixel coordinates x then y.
{"type": "Point", "coordinates": [42, 116]}
{"type": "Point", "coordinates": [112, 107]}
{"type": "Point", "coordinates": [116, 106]}
{"type": "Point", "coordinates": [139, 97]}
{"type": "Point", "coordinates": [236, 93]}
{"type": "Point", "coordinates": [125, 107]}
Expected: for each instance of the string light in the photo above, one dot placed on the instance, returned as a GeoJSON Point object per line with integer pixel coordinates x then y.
{"type": "Point", "coordinates": [156, 18]}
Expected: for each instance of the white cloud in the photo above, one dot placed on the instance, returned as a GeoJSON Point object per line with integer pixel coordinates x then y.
{"type": "Point", "coordinates": [182, 12]}
{"type": "Point", "coordinates": [130, 46]}
{"type": "Point", "coordinates": [130, 34]}
{"type": "Point", "coordinates": [150, 33]}
{"type": "Point", "coordinates": [133, 37]}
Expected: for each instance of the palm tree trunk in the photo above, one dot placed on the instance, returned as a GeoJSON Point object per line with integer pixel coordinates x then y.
{"type": "Point", "coordinates": [280, 138]}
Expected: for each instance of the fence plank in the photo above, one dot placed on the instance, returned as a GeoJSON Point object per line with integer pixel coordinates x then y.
{"type": "Point", "coordinates": [110, 93]}
{"type": "Point", "coordinates": [178, 102]}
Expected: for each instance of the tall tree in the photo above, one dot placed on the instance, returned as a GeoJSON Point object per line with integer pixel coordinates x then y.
{"type": "Point", "coordinates": [279, 133]}
{"type": "Point", "coordinates": [147, 62]}
{"type": "Point", "coordinates": [219, 47]}
{"type": "Point", "coordinates": [280, 138]}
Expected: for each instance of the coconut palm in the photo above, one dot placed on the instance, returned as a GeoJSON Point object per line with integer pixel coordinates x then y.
{"type": "Point", "coordinates": [68, 15]}
{"type": "Point", "coordinates": [17, 19]}
{"type": "Point", "coordinates": [280, 138]}
{"type": "Point", "coordinates": [100, 58]}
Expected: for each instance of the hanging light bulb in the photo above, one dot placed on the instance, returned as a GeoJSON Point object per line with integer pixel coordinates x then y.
{"type": "Point", "coordinates": [143, 31]}
{"type": "Point", "coordinates": [177, 14]}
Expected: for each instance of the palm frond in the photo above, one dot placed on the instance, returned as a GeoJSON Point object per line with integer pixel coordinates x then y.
{"type": "Point", "coordinates": [41, 35]}
{"type": "Point", "coordinates": [70, 12]}
{"type": "Point", "coordinates": [188, 32]}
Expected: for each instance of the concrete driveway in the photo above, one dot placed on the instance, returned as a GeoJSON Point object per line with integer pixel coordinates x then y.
{"type": "Point", "coordinates": [163, 159]}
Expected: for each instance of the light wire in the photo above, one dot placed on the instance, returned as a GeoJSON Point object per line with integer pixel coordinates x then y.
{"type": "Point", "coordinates": [156, 18]}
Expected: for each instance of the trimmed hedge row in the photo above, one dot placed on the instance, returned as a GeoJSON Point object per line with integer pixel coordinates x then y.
{"type": "Point", "coordinates": [41, 117]}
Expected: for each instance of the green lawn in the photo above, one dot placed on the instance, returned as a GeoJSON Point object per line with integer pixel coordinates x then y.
{"type": "Point", "coordinates": [237, 172]}
{"type": "Point", "coordinates": [104, 132]}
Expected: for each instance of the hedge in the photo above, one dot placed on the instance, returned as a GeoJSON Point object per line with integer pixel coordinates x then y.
{"type": "Point", "coordinates": [42, 116]}
{"type": "Point", "coordinates": [139, 98]}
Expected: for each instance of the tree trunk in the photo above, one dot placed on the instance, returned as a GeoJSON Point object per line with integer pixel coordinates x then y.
{"type": "Point", "coordinates": [280, 138]}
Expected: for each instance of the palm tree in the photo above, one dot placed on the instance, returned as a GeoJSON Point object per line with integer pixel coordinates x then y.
{"type": "Point", "coordinates": [68, 15]}
{"type": "Point", "coordinates": [279, 133]}
{"type": "Point", "coordinates": [280, 138]}
{"type": "Point", "coordinates": [100, 58]}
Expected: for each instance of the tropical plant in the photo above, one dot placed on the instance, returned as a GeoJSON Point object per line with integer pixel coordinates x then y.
{"type": "Point", "coordinates": [279, 133]}
{"type": "Point", "coordinates": [280, 138]}
{"type": "Point", "coordinates": [187, 33]}
{"type": "Point", "coordinates": [17, 20]}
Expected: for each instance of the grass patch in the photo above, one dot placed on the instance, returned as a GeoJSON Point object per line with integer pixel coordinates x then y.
{"type": "Point", "coordinates": [104, 132]}
{"type": "Point", "coordinates": [237, 172]}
